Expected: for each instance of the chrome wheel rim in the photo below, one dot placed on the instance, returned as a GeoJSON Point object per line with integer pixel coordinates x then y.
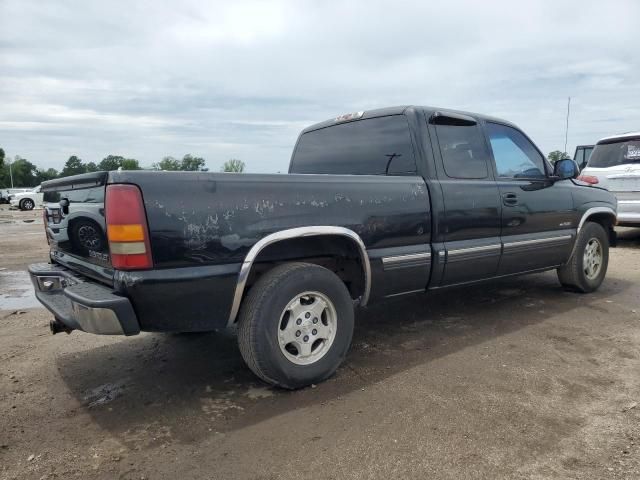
{"type": "Point", "coordinates": [28, 204]}
{"type": "Point", "coordinates": [307, 328]}
{"type": "Point", "coordinates": [592, 259]}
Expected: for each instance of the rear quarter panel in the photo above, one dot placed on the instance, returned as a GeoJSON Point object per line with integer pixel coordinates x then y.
{"type": "Point", "coordinates": [202, 226]}
{"type": "Point", "coordinates": [205, 218]}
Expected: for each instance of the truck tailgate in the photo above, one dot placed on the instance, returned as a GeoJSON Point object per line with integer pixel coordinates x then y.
{"type": "Point", "coordinates": [75, 224]}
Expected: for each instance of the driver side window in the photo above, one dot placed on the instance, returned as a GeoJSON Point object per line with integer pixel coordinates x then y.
{"type": "Point", "coordinates": [514, 154]}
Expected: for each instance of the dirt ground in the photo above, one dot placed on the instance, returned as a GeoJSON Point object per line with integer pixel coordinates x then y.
{"type": "Point", "coordinates": [513, 379]}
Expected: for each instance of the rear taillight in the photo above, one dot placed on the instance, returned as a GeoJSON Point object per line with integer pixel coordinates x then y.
{"type": "Point", "coordinates": [127, 228]}
{"type": "Point", "coordinates": [590, 179]}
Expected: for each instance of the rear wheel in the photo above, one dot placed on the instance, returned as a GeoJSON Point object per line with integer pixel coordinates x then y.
{"type": "Point", "coordinates": [587, 267]}
{"type": "Point", "coordinates": [26, 204]}
{"type": "Point", "coordinates": [296, 325]}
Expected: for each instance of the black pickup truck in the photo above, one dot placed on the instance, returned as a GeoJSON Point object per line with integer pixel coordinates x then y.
{"type": "Point", "coordinates": [376, 204]}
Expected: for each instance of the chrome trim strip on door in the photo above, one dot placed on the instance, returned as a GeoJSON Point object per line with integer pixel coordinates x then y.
{"type": "Point", "coordinates": [482, 248]}
{"type": "Point", "coordinates": [299, 232]}
{"type": "Point", "coordinates": [536, 241]}
{"type": "Point", "coordinates": [407, 260]}
{"type": "Point", "coordinates": [420, 290]}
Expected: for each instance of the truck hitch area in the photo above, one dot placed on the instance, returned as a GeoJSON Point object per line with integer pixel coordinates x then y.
{"type": "Point", "coordinates": [56, 326]}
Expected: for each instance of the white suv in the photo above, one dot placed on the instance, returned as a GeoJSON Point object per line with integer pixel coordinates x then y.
{"type": "Point", "coordinates": [615, 165]}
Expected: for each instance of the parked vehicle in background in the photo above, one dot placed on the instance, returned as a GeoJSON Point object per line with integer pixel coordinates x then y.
{"type": "Point", "coordinates": [615, 165]}
{"type": "Point", "coordinates": [582, 154]}
{"type": "Point", "coordinates": [77, 220]}
{"type": "Point", "coordinates": [7, 193]}
{"type": "Point", "coordinates": [27, 200]}
{"type": "Point", "coordinates": [392, 201]}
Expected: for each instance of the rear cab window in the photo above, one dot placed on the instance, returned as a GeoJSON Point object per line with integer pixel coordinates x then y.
{"type": "Point", "coordinates": [464, 152]}
{"type": "Point", "coordinates": [614, 153]}
{"type": "Point", "coordinates": [374, 146]}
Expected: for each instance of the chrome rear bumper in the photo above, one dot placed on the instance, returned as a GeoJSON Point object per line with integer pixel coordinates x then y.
{"type": "Point", "coordinates": [628, 212]}
{"type": "Point", "coordinates": [82, 304]}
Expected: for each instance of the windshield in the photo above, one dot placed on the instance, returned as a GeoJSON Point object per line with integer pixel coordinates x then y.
{"type": "Point", "coordinates": [613, 154]}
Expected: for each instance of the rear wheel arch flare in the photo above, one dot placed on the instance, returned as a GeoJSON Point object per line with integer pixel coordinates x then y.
{"type": "Point", "coordinates": [300, 233]}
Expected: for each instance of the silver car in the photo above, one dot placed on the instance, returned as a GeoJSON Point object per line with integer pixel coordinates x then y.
{"type": "Point", "coordinates": [615, 165]}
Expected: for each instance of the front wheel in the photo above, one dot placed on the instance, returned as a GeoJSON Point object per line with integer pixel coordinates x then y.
{"type": "Point", "coordinates": [296, 325]}
{"type": "Point", "coordinates": [27, 204]}
{"type": "Point", "coordinates": [587, 267]}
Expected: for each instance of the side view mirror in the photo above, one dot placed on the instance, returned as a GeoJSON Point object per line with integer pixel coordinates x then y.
{"type": "Point", "coordinates": [64, 205]}
{"type": "Point", "coordinates": [565, 169]}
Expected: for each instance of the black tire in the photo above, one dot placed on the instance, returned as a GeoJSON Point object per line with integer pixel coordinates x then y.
{"type": "Point", "coordinates": [26, 204]}
{"type": "Point", "coordinates": [573, 276]}
{"type": "Point", "coordinates": [86, 235]}
{"type": "Point", "coordinates": [260, 324]}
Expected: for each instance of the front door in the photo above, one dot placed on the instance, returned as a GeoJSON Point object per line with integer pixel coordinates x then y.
{"type": "Point", "coordinates": [471, 224]}
{"type": "Point", "coordinates": [538, 216]}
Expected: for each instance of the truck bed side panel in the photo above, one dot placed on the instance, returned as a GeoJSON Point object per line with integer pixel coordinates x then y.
{"type": "Point", "coordinates": [205, 219]}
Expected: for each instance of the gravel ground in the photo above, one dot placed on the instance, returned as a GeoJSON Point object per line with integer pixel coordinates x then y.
{"type": "Point", "coordinates": [513, 379]}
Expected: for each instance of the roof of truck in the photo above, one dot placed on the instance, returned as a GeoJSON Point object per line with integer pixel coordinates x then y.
{"type": "Point", "coordinates": [397, 110]}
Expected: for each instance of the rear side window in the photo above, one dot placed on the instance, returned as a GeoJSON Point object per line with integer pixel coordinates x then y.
{"type": "Point", "coordinates": [613, 154]}
{"type": "Point", "coordinates": [463, 149]}
{"type": "Point", "coordinates": [85, 195]}
{"type": "Point", "coordinates": [514, 154]}
{"type": "Point", "coordinates": [376, 146]}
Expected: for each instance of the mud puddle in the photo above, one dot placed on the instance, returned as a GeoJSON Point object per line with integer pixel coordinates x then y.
{"type": "Point", "coordinates": [16, 291]}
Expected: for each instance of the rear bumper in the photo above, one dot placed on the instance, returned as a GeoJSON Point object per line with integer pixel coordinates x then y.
{"type": "Point", "coordinates": [628, 212]}
{"type": "Point", "coordinates": [82, 304]}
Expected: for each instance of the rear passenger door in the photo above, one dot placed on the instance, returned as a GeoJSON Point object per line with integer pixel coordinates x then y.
{"type": "Point", "coordinates": [538, 217]}
{"type": "Point", "coordinates": [471, 225]}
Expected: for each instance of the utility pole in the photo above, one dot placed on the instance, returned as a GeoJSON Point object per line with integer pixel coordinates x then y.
{"type": "Point", "coordinates": [566, 131]}
{"type": "Point", "coordinates": [11, 174]}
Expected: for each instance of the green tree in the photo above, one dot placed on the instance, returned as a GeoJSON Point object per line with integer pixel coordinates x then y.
{"type": "Point", "coordinates": [130, 164]}
{"type": "Point", "coordinates": [192, 164]}
{"type": "Point", "coordinates": [92, 167]}
{"type": "Point", "coordinates": [233, 165]}
{"type": "Point", "coordinates": [113, 162]}
{"type": "Point", "coordinates": [73, 166]}
{"type": "Point", "coordinates": [556, 155]}
{"type": "Point", "coordinates": [4, 171]}
{"type": "Point", "coordinates": [167, 163]}
{"type": "Point", "coordinates": [24, 173]}
{"type": "Point", "coordinates": [44, 175]}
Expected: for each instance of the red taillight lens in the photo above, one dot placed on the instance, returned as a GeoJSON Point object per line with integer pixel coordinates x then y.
{"type": "Point", "coordinates": [588, 179]}
{"type": "Point", "coordinates": [127, 228]}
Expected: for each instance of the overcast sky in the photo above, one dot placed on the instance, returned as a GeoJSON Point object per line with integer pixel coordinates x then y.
{"type": "Point", "coordinates": [240, 79]}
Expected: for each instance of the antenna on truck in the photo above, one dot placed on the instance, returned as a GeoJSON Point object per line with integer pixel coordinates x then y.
{"type": "Point", "coordinates": [566, 131]}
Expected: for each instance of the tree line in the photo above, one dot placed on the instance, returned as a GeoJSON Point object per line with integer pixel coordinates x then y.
{"type": "Point", "coordinates": [26, 174]}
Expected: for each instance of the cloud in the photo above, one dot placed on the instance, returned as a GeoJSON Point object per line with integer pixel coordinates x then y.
{"type": "Point", "coordinates": [240, 79]}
